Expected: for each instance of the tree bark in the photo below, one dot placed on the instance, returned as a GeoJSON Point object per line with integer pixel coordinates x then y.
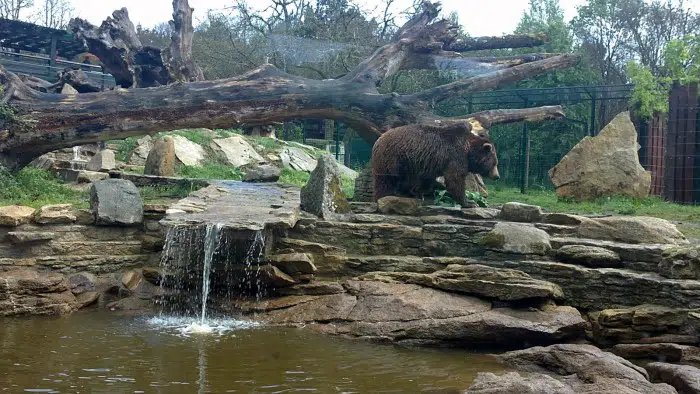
{"type": "Point", "coordinates": [35, 123]}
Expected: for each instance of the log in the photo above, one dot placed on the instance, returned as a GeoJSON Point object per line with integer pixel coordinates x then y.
{"type": "Point", "coordinates": [33, 123]}
{"type": "Point", "coordinates": [504, 42]}
{"type": "Point", "coordinates": [78, 80]}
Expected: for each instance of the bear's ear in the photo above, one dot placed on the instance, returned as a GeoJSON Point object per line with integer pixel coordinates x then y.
{"type": "Point", "coordinates": [488, 147]}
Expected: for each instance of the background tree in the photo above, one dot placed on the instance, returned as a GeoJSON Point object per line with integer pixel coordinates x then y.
{"type": "Point", "coordinates": [14, 9]}
{"type": "Point", "coordinates": [55, 13]}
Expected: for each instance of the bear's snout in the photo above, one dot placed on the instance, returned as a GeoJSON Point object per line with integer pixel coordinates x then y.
{"type": "Point", "coordinates": [494, 174]}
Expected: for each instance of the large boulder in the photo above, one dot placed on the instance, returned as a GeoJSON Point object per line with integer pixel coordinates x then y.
{"type": "Point", "coordinates": [632, 229]}
{"type": "Point", "coordinates": [322, 195]}
{"type": "Point", "coordinates": [517, 238]}
{"type": "Point", "coordinates": [515, 383]}
{"type": "Point", "coordinates": [684, 378]}
{"type": "Point", "coordinates": [237, 150]}
{"type": "Point", "coordinates": [188, 152]}
{"type": "Point", "coordinates": [29, 292]}
{"type": "Point", "coordinates": [297, 159]}
{"type": "Point", "coordinates": [417, 315]}
{"type": "Point", "coordinates": [585, 369]}
{"type": "Point", "coordinates": [681, 262]}
{"type": "Point", "coordinates": [161, 159]}
{"type": "Point", "coordinates": [103, 161]}
{"type": "Point", "coordinates": [137, 157]}
{"type": "Point", "coordinates": [604, 165]}
{"type": "Point", "coordinates": [116, 201]}
{"type": "Point", "coordinates": [265, 173]}
{"type": "Point", "coordinates": [15, 215]}
{"type": "Point", "coordinates": [517, 212]}
{"type": "Point", "coordinates": [498, 283]}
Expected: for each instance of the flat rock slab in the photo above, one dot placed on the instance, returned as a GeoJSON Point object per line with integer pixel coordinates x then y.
{"type": "Point", "coordinates": [632, 229]}
{"type": "Point", "coordinates": [585, 368]}
{"type": "Point", "coordinates": [15, 215]}
{"type": "Point", "coordinates": [497, 283]}
{"type": "Point", "coordinates": [238, 205]}
{"type": "Point", "coordinates": [517, 238]}
{"type": "Point", "coordinates": [414, 314]}
{"type": "Point", "coordinates": [55, 214]}
{"type": "Point", "coordinates": [589, 256]}
{"type": "Point", "coordinates": [684, 378]}
{"type": "Point", "coordinates": [30, 292]}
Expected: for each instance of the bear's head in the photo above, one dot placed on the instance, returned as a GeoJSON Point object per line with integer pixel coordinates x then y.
{"type": "Point", "coordinates": [482, 157]}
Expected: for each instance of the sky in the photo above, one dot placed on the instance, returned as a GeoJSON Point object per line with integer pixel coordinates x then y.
{"type": "Point", "coordinates": [480, 18]}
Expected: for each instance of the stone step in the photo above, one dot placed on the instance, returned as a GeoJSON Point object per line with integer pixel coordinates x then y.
{"type": "Point", "coordinates": [96, 264]}
{"type": "Point", "coordinates": [329, 260]}
{"type": "Point", "coordinates": [586, 288]}
{"type": "Point", "coordinates": [640, 253]}
{"type": "Point", "coordinates": [76, 233]}
{"type": "Point", "coordinates": [77, 248]}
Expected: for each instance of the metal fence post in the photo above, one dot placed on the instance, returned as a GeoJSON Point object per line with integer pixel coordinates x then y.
{"type": "Point", "coordinates": [525, 158]}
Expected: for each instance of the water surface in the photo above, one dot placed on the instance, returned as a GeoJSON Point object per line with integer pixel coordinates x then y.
{"type": "Point", "coordinates": [99, 352]}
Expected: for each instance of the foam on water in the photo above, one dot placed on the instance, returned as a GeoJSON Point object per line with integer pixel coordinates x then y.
{"type": "Point", "coordinates": [188, 326]}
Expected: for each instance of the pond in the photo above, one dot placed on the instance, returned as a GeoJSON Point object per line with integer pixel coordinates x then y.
{"type": "Point", "coordinates": [102, 352]}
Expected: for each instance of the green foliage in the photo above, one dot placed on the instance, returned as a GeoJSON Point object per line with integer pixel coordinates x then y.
{"type": "Point", "coordinates": [293, 177]}
{"type": "Point", "coordinates": [124, 147]}
{"type": "Point", "coordinates": [650, 94]}
{"type": "Point", "coordinates": [442, 198]}
{"type": "Point", "coordinates": [348, 186]}
{"type": "Point", "coordinates": [35, 187]}
{"type": "Point", "coordinates": [202, 137]}
{"type": "Point", "coordinates": [211, 170]}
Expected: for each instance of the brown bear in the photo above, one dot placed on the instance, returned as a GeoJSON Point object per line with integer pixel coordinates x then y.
{"type": "Point", "coordinates": [407, 160]}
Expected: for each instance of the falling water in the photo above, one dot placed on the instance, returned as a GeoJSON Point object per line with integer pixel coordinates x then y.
{"type": "Point", "coordinates": [211, 241]}
{"type": "Point", "coordinates": [76, 153]}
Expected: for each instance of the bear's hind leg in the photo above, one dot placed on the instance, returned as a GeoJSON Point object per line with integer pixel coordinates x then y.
{"type": "Point", "coordinates": [455, 183]}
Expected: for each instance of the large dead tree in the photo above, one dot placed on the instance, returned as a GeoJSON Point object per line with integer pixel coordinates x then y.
{"type": "Point", "coordinates": [33, 123]}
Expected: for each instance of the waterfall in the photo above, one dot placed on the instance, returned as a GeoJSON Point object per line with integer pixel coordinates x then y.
{"type": "Point", "coordinates": [211, 242]}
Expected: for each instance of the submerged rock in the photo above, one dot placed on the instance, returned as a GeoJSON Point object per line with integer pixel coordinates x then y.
{"type": "Point", "coordinates": [161, 159]}
{"type": "Point", "coordinates": [322, 195]}
{"type": "Point", "coordinates": [116, 202]}
{"type": "Point", "coordinates": [632, 229]}
{"type": "Point", "coordinates": [604, 165]}
{"type": "Point", "coordinates": [585, 369]}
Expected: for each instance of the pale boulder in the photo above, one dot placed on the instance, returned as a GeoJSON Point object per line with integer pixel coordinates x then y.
{"type": "Point", "coordinates": [237, 150]}
{"type": "Point", "coordinates": [604, 165]}
{"type": "Point", "coordinates": [188, 152]}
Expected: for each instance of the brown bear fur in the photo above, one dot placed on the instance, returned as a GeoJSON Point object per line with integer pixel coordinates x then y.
{"type": "Point", "coordinates": [407, 160]}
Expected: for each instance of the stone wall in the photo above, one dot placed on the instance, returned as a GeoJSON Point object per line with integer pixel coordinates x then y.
{"type": "Point", "coordinates": [364, 185]}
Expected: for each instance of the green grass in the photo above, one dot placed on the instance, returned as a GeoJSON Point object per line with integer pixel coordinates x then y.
{"type": "Point", "coordinates": [687, 215]}
{"type": "Point", "coordinates": [211, 170]}
{"type": "Point", "coordinates": [348, 185]}
{"type": "Point", "coordinates": [125, 147]}
{"type": "Point", "coordinates": [34, 187]}
{"type": "Point", "coordinates": [202, 137]}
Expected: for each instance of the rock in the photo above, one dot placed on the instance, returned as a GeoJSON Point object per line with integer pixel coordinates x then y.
{"type": "Point", "coordinates": [632, 229]}
{"type": "Point", "coordinates": [29, 292]}
{"type": "Point", "coordinates": [44, 162]}
{"type": "Point", "coordinates": [15, 215]}
{"type": "Point", "coordinates": [348, 172]}
{"type": "Point", "coordinates": [294, 263]}
{"type": "Point", "coordinates": [131, 280]}
{"type": "Point", "coordinates": [188, 152]}
{"type": "Point", "coordinates": [643, 324]}
{"type": "Point", "coordinates": [584, 368]}
{"type": "Point", "coordinates": [315, 289]}
{"type": "Point", "coordinates": [103, 161]}
{"type": "Point", "coordinates": [262, 174]}
{"type": "Point", "coordinates": [84, 217]}
{"type": "Point", "coordinates": [364, 185]}
{"type": "Point", "coordinates": [137, 157]}
{"type": "Point", "coordinates": [682, 262]}
{"type": "Point", "coordinates": [152, 275]}
{"type": "Point", "coordinates": [274, 277]}
{"type": "Point", "coordinates": [392, 205]}
{"type": "Point", "coordinates": [116, 201]}
{"type": "Point", "coordinates": [514, 383]}
{"type": "Point", "coordinates": [82, 282]}
{"type": "Point", "coordinates": [55, 214]}
{"type": "Point", "coordinates": [91, 176]}
{"type": "Point", "coordinates": [237, 150]}
{"type": "Point", "coordinates": [497, 283]}
{"type": "Point", "coordinates": [563, 219]}
{"type": "Point", "coordinates": [517, 238]}
{"type": "Point", "coordinates": [517, 212]}
{"type": "Point", "coordinates": [412, 314]}
{"type": "Point", "coordinates": [666, 352]}
{"type": "Point", "coordinates": [68, 89]}
{"type": "Point", "coordinates": [604, 165]}
{"type": "Point", "coordinates": [86, 299]}
{"type": "Point", "coordinates": [297, 159]}
{"type": "Point", "coordinates": [589, 256]}
{"type": "Point", "coordinates": [322, 195]}
{"type": "Point", "coordinates": [161, 158]}
{"type": "Point", "coordinates": [480, 213]}
{"type": "Point", "coordinates": [24, 237]}
{"type": "Point", "coordinates": [684, 378]}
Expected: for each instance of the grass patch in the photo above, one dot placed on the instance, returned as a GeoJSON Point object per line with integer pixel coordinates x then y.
{"type": "Point", "coordinates": [211, 170]}
{"type": "Point", "coordinates": [293, 177]}
{"type": "Point", "coordinates": [202, 137]}
{"type": "Point", "coordinates": [687, 215]}
{"type": "Point", "coordinates": [348, 186]}
{"type": "Point", "coordinates": [124, 147]}
{"type": "Point", "coordinates": [34, 188]}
